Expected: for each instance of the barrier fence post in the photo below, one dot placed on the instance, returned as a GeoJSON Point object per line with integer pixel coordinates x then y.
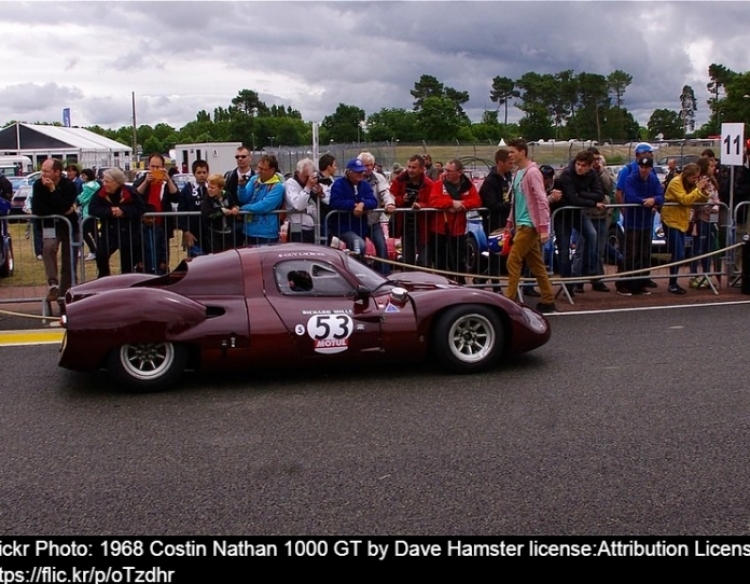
{"type": "Point", "coordinates": [745, 288]}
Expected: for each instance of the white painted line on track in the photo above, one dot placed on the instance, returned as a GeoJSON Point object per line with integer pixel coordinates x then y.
{"type": "Point", "coordinates": [644, 308]}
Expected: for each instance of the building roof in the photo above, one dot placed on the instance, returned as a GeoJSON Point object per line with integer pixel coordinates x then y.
{"type": "Point", "coordinates": [35, 136]}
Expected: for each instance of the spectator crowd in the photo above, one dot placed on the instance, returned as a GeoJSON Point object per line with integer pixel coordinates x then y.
{"type": "Point", "coordinates": [423, 205]}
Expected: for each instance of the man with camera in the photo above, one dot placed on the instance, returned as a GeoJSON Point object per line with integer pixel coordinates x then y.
{"type": "Point", "coordinates": [411, 190]}
{"type": "Point", "coordinates": [158, 191]}
{"type": "Point", "coordinates": [301, 196]}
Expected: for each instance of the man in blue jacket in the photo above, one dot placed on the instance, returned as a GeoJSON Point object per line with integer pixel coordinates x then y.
{"type": "Point", "coordinates": [259, 198]}
{"type": "Point", "coordinates": [641, 188]}
{"type": "Point", "coordinates": [352, 195]}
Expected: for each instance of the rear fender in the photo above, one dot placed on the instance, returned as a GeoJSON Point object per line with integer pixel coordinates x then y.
{"type": "Point", "coordinates": [98, 324]}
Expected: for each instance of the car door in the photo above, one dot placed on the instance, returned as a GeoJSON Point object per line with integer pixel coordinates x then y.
{"type": "Point", "coordinates": [318, 304]}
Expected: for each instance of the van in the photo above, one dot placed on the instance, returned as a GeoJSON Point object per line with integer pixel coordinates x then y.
{"type": "Point", "coordinates": [15, 165]}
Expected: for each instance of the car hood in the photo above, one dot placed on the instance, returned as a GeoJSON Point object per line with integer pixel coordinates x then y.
{"type": "Point", "coordinates": [421, 281]}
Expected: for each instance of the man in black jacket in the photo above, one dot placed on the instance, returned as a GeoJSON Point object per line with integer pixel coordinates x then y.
{"type": "Point", "coordinates": [495, 194]}
{"type": "Point", "coordinates": [241, 174]}
{"type": "Point", "coordinates": [580, 187]}
{"type": "Point", "coordinates": [53, 194]}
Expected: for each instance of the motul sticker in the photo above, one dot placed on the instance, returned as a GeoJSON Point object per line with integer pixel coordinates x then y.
{"type": "Point", "coordinates": [330, 332]}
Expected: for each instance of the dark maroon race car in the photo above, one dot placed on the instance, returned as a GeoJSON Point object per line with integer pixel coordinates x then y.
{"type": "Point", "coordinates": [291, 305]}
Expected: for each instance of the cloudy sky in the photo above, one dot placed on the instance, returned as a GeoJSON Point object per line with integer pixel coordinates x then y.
{"type": "Point", "coordinates": [181, 57]}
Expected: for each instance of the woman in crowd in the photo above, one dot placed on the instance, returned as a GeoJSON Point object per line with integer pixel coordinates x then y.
{"type": "Point", "coordinates": [88, 226]}
{"type": "Point", "coordinates": [705, 229]}
{"type": "Point", "coordinates": [120, 209]}
{"type": "Point", "coordinates": [684, 189]}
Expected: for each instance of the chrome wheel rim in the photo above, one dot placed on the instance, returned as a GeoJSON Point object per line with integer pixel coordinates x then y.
{"type": "Point", "coordinates": [147, 360]}
{"type": "Point", "coordinates": [471, 338]}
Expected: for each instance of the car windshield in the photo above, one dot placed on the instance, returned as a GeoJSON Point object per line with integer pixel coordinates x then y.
{"type": "Point", "coordinates": [365, 275]}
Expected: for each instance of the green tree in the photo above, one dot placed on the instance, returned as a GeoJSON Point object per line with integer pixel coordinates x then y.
{"type": "Point", "coordinates": [393, 123]}
{"type": "Point", "coordinates": [665, 122]}
{"type": "Point", "coordinates": [343, 125]}
{"type": "Point", "coordinates": [617, 82]}
{"type": "Point", "coordinates": [503, 90]}
{"type": "Point", "coordinates": [153, 144]}
{"type": "Point", "coordinates": [538, 100]}
{"type": "Point", "coordinates": [688, 108]}
{"type": "Point", "coordinates": [594, 99]}
{"type": "Point", "coordinates": [428, 86]}
{"type": "Point", "coordinates": [437, 119]}
{"type": "Point", "coordinates": [249, 103]}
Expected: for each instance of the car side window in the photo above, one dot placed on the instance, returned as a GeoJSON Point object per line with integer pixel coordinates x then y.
{"type": "Point", "coordinates": [309, 278]}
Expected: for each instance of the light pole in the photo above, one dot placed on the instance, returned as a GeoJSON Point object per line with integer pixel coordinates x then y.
{"type": "Point", "coordinates": [254, 111]}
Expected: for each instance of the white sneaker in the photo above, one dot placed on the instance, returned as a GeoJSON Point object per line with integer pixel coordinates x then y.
{"type": "Point", "coordinates": [39, 257]}
{"type": "Point", "coordinates": [90, 257]}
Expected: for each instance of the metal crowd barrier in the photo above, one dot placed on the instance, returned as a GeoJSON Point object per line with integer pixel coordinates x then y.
{"type": "Point", "coordinates": [407, 239]}
{"type": "Point", "coordinates": [636, 254]}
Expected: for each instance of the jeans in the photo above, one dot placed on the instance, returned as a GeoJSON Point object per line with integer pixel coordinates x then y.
{"type": "Point", "coordinates": [381, 247]}
{"type": "Point", "coordinates": [354, 243]}
{"type": "Point", "coordinates": [676, 247]}
{"type": "Point", "coordinates": [702, 242]}
{"type": "Point", "coordinates": [588, 259]}
{"type": "Point", "coordinates": [155, 259]}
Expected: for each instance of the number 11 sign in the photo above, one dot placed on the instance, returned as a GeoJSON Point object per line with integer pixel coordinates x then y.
{"type": "Point", "coordinates": [732, 144]}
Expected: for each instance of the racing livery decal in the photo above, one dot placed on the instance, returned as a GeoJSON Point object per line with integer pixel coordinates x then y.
{"type": "Point", "coordinates": [330, 332]}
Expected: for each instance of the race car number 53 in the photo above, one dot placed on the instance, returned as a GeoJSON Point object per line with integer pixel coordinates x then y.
{"type": "Point", "coordinates": [330, 332]}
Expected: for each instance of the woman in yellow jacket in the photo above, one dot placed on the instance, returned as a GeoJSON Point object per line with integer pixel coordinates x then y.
{"type": "Point", "coordinates": [684, 190]}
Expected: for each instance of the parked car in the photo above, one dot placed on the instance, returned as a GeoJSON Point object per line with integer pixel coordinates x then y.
{"type": "Point", "coordinates": [682, 160]}
{"type": "Point", "coordinates": [290, 305]}
{"type": "Point", "coordinates": [19, 198]}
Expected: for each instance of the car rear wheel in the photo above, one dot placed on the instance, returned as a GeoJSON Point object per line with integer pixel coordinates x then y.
{"type": "Point", "coordinates": [468, 338]}
{"type": "Point", "coordinates": [145, 367]}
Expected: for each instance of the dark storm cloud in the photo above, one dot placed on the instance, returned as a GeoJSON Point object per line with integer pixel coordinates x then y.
{"type": "Point", "coordinates": [314, 55]}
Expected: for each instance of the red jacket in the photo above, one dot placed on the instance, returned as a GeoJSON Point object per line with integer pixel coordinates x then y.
{"type": "Point", "coordinates": [448, 223]}
{"type": "Point", "coordinates": [398, 190]}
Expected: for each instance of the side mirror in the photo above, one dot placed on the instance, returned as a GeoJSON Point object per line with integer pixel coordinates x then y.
{"type": "Point", "coordinates": [363, 293]}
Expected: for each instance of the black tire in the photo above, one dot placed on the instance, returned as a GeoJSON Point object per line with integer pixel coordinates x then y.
{"type": "Point", "coordinates": [147, 367]}
{"type": "Point", "coordinates": [7, 268]}
{"type": "Point", "coordinates": [472, 255]}
{"type": "Point", "coordinates": [468, 338]}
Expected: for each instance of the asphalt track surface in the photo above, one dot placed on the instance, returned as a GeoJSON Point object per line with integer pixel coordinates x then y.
{"type": "Point", "coordinates": [625, 423]}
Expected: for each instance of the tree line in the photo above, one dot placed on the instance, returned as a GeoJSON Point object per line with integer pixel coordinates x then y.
{"type": "Point", "coordinates": [562, 106]}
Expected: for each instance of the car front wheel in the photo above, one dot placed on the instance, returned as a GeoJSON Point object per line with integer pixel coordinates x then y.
{"type": "Point", "coordinates": [144, 367]}
{"type": "Point", "coordinates": [468, 338]}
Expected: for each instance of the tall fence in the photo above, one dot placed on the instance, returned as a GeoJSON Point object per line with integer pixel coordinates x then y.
{"type": "Point", "coordinates": [551, 152]}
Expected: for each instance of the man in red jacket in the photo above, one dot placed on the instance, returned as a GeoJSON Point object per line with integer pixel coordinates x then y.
{"type": "Point", "coordinates": [412, 189]}
{"type": "Point", "coordinates": [453, 194]}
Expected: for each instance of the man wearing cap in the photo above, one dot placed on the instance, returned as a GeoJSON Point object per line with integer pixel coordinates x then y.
{"type": "Point", "coordinates": [352, 196]}
{"type": "Point", "coordinates": [642, 149]}
{"type": "Point", "coordinates": [641, 188]}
